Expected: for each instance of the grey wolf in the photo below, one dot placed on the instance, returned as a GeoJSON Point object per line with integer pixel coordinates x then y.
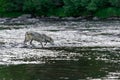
{"type": "Point", "coordinates": [30, 36]}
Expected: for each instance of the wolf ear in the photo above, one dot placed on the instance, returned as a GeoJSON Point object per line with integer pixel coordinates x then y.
{"type": "Point", "coordinates": [27, 32]}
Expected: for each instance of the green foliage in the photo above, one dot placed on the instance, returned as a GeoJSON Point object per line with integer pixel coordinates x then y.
{"type": "Point", "coordinates": [108, 12]}
{"type": "Point", "coordinates": [115, 3]}
{"type": "Point", "coordinates": [2, 5]}
{"type": "Point", "coordinates": [10, 14]}
{"type": "Point", "coordinates": [72, 7]}
{"type": "Point", "coordinates": [69, 7]}
{"type": "Point", "coordinates": [12, 5]}
{"type": "Point", "coordinates": [57, 12]}
{"type": "Point", "coordinates": [95, 5]}
{"type": "Point", "coordinates": [30, 5]}
{"type": "Point", "coordinates": [84, 3]}
{"type": "Point", "coordinates": [61, 8]}
{"type": "Point", "coordinates": [39, 7]}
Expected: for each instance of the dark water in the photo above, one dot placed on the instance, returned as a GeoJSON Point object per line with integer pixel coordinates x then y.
{"type": "Point", "coordinates": [87, 67]}
{"type": "Point", "coordinates": [59, 70]}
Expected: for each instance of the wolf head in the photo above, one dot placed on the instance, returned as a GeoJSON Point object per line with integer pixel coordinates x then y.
{"type": "Point", "coordinates": [48, 39]}
{"type": "Point", "coordinates": [51, 41]}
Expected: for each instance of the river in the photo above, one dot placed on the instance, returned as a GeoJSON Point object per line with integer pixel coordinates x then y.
{"type": "Point", "coordinates": [83, 50]}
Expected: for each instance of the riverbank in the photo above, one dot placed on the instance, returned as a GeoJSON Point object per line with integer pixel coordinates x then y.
{"type": "Point", "coordinates": [28, 19]}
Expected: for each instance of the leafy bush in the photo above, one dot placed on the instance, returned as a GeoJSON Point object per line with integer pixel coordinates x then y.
{"type": "Point", "coordinates": [115, 3]}
{"type": "Point", "coordinates": [72, 8]}
{"type": "Point", "coordinates": [108, 12]}
{"type": "Point", "coordinates": [10, 14]}
{"type": "Point", "coordinates": [61, 8]}
{"type": "Point", "coordinates": [39, 7]}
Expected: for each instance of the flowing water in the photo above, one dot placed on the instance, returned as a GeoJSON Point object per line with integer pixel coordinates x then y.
{"type": "Point", "coordinates": [87, 50]}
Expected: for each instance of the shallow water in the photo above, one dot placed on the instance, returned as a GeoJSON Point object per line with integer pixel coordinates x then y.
{"type": "Point", "coordinates": [83, 51]}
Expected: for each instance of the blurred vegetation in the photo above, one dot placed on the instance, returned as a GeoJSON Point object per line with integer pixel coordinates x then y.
{"type": "Point", "coordinates": [60, 8]}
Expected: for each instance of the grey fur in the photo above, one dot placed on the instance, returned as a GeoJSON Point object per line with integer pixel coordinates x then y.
{"type": "Point", "coordinates": [30, 36]}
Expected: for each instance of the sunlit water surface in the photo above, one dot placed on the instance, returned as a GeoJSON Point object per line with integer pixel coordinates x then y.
{"type": "Point", "coordinates": [82, 51]}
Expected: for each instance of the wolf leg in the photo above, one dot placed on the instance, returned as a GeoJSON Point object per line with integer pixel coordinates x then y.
{"type": "Point", "coordinates": [31, 42]}
{"type": "Point", "coordinates": [41, 44]}
{"type": "Point", "coordinates": [25, 41]}
{"type": "Point", "coordinates": [45, 43]}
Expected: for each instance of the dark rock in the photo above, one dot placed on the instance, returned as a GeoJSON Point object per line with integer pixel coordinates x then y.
{"type": "Point", "coordinates": [2, 20]}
